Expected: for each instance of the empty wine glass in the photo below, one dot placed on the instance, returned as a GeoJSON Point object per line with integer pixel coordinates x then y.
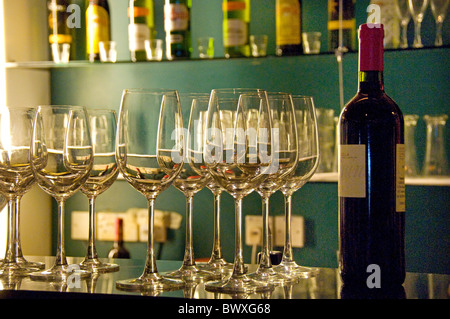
{"type": "Point", "coordinates": [192, 178]}
{"type": "Point", "coordinates": [308, 158]}
{"type": "Point", "coordinates": [439, 10]}
{"type": "Point", "coordinates": [149, 152]}
{"type": "Point", "coordinates": [102, 124]}
{"type": "Point", "coordinates": [404, 15]}
{"type": "Point", "coordinates": [61, 159]}
{"type": "Point", "coordinates": [283, 151]}
{"type": "Point", "coordinates": [16, 178]}
{"type": "Point", "coordinates": [236, 156]}
{"type": "Point", "coordinates": [417, 9]}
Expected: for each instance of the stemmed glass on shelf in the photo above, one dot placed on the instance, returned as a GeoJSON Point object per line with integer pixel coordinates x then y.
{"type": "Point", "coordinates": [308, 159]}
{"type": "Point", "coordinates": [401, 6]}
{"type": "Point", "coordinates": [16, 178]}
{"type": "Point", "coordinates": [439, 10]}
{"type": "Point", "coordinates": [236, 157]}
{"type": "Point", "coordinates": [102, 124]}
{"type": "Point", "coordinates": [417, 9]}
{"type": "Point", "coordinates": [61, 159]}
{"type": "Point", "coordinates": [284, 154]}
{"type": "Point", "coordinates": [149, 152]}
{"type": "Point", "coordinates": [192, 178]}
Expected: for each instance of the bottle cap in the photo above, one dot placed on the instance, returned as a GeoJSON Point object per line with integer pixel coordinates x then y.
{"type": "Point", "coordinates": [371, 49]}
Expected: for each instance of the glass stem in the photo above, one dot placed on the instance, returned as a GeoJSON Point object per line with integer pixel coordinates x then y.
{"type": "Point", "coordinates": [19, 253]}
{"type": "Point", "coordinates": [438, 40]}
{"type": "Point", "coordinates": [11, 245]}
{"type": "Point", "coordinates": [404, 41]}
{"type": "Point", "coordinates": [150, 264]}
{"type": "Point", "coordinates": [189, 249]}
{"type": "Point", "coordinates": [60, 252]}
{"type": "Point", "coordinates": [91, 251]}
{"type": "Point", "coordinates": [265, 261]}
{"type": "Point", "coordinates": [239, 265]}
{"type": "Point", "coordinates": [217, 250]}
{"type": "Point", "coordinates": [287, 252]}
{"type": "Point", "coordinates": [417, 39]}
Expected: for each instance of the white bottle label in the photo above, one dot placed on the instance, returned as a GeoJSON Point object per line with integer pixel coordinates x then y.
{"type": "Point", "coordinates": [176, 17]}
{"type": "Point", "coordinates": [400, 182]}
{"type": "Point", "coordinates": [137, 34]}
{"type": "Point", "coordinates": [236, 33]}
{"type": "Point", "coordinates": [352, 171]}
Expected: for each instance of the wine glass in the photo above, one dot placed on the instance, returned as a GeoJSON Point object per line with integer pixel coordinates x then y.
{"type": "Point", "coordinates": [102, 124]}
{"type": "Point", "coordinates": [404, 15]}
{"type": "Point", "coordinates": [283, 151]}
{"type": "Point", "coordinates": [192, 178]}
{"type": "Point", "coordinates": [61, 159]}
{"type": "Point", "coordinates": [308, 159]}
{"type": "Point", "coordinates": [16, 178]}
{"type": "Point", "coordinates": [417, 9]}
{"type": "Point", "coordinates": [439, 10]}
{"type": "Point", "coordinates": [236, 157]}
{"type": "Point", "coordinates": [149, 152]}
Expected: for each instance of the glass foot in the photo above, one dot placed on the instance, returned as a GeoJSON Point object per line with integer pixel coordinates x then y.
{"type": "Point", "coordinates": [30, 264]}
{"type": "Point", "coordinates": [150, 282]}
{"type": "Point", "coordinates": [240, 284]}
{"type": "Point", "coordinates": [13, 269]}
{"type": "Point", "coordinates": [95, 265]}
{"type": "Point", "coordinates": [291, 269]}
{"type": "Point", "coordinates": [192, 273]}
{"type": "Point", "coordinates": [270, 276]}
{"type": "Point", "coordinates": [61, 273]}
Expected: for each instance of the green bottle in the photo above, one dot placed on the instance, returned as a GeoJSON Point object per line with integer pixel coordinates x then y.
{"type": "Point", "coordinates": [141, 27]}
{"type": "Point", "coordinates": [177, 25]}
{"type": "Point", "coordinates": [236, 21]}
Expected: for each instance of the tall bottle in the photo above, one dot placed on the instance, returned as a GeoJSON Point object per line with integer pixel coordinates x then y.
{"type": "Point", "coordinates": [119, 250]}
{"type": "Point", "coordinates": [348, 24]}
{"type": "Point", "coordinates": [371, 184]}
{"type": "Point", "coordinates": [98, 27]}
{"type": "Point", "coordinates": [288, 22]}
{"type": "Point", "coordinates": [59, 31]}
{"type": "Point", "coordinates": [141, 27]}
{"type": "Point", "coordinates": [177, 25]}
{"type": "Point", "coordinates": [236, 21]}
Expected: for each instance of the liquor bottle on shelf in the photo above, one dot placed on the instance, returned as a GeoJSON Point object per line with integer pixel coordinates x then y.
{"type": "Point", "coordinates": [288, 24]}
{"type": "Point", "coordinates": [59, 31]}
{"type": "Point", "coordinates": [98, 27]}
{"type": "Point", "coordinates": [348, 24]}
{"type": "Point", "coordinates": [236, 21]}
{"type": "Point", "coordinates": [141, 27]}
{"type": "Point", "coordinates": [119, 250]}
{"type": "Point", "coordinates": [177, 25]}
{"type": "Point", "coordinates": [371, 185]}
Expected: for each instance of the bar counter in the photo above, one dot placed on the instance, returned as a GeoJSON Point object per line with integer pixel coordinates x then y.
{"type": "Point", "coordinates": [325, 285]}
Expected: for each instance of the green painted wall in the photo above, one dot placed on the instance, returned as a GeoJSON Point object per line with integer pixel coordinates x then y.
{"type": "Point", "coordinates": [416, 79]}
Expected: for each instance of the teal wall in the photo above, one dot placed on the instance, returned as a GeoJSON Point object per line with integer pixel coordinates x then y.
{"type": "Point", "coordinates": [416, 79]}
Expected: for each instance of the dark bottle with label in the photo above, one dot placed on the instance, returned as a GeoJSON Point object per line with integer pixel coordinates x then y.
{"type": "Point", "coordinates": [119, 250]}
{"type": "Point", "coordinates": [236, 22]}
{"type": "Point", "coordinates": [59, 31]}
{"type": "Point", "coordinates": [140, 28]}
{"type": "Point", "coordinates": [371, 185]}
{"type": "Point", "coordinates": [348, 24]}
{"type": "Point", "coordinates": [288, 24]}
{"type": "Point", "coordinates": [177, 25]}
{"type": "Point", "coordinates": [98, 27]}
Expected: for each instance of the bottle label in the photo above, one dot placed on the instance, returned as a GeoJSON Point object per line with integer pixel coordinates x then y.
{"type": "Point", "coordinates": [137, 34]}
{"type": "Point", "coordinates": [236, 32]}
{"type": "Point", "coordinates": [233, 5]}
{"type": "Point", "coordinates": [352, 170]}
{"type": "Point", "coordinates": [176, 17]}
{"type": "Point", "coordinates": [97, 20]}
{"type": "Point", "coordinates": [400, 179]}
{"type": "Point", "coordinates": [288, 22]}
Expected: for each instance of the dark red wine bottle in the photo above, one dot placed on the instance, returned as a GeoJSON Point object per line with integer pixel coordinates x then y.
{"type": "Point", "coordinates": [119, 250]}
{"type": "Point", "coordinates": [371, 184]}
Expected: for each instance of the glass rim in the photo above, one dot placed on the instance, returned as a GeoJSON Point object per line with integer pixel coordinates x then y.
{"type": "Point", "coordinates": [101, 110]}
{"type": "Point", "coordinates": [152, 91]}
{"type": "Point", "coordinates": [61, 106]}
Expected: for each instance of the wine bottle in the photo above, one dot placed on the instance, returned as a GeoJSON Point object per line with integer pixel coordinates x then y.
{"type": "Point", "coordinates": [236, 21]}
{"type": "Point", "coordinates": [59, 31]}
{"type": "Point", "coordinates": [348, 24]}
{"type": "Point", "coordinates": [178, 29]}
{"type": "Point", "coordinates": [141, 27]}
{"type": "Point", "coordinates": [119, 250]}
{"type": "Point", "coordinates": [371, 185]}
{"type": "Point", "coordinates": [288, 27]}
{"type": "Point", "coordinates": [97, 27]}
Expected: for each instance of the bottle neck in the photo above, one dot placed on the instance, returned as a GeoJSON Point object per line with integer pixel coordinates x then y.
{"type": "Point", "coordinates": [371, 82]}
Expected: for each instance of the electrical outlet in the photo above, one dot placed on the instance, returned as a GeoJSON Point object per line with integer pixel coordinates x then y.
{"type": "Point", "coordinates": [253, 229]}
{"type": "Point", "coordinates": [297, 231]}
